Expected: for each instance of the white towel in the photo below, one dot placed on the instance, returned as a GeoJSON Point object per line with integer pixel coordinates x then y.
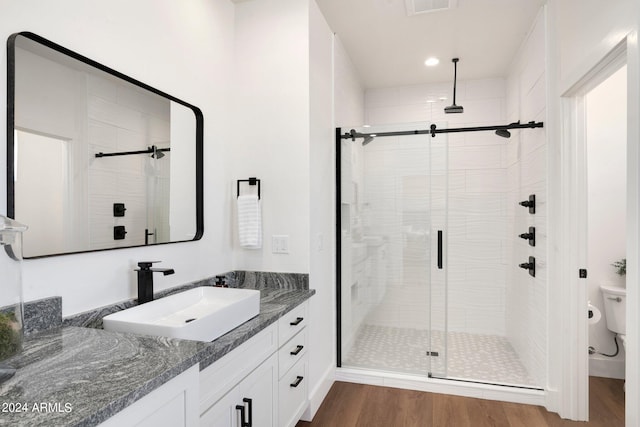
{"type": "Point", "coordinates": [249, 222]}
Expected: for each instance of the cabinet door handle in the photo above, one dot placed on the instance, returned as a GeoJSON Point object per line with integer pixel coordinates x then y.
{"type": "Point", "coordinates": [440, 249]}
{"type": "Point", "coordinates": [242, 410]}
{"type": "Point", "coordinates": [297, 382]}
{"type": "Point", "coordinates": [297, 350]}
{"type": "Point", "coordinates": [297, 321]}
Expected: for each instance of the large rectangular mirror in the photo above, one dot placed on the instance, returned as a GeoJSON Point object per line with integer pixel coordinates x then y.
{"type": "Point", "coordinates": [97, 160]}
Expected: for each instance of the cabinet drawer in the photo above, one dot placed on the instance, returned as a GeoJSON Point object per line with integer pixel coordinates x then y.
{"type": "Point", "coordinates": [292, 351]}
{"type": "Point", "coordinates": [292, 322]}
{"type": "Point", "coordinates": [293, 394]}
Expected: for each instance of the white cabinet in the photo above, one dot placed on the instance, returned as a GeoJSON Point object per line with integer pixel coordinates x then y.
{"type": "Point", "coordinates": [252, 402]}
{"type": "Point", "coordinates": [292, 366]}
{"type": "Point", "coordinates": [174, 404]}
{"type": "Point", "coordinates": [293, 393]}
{"type": "Point", "coordinates": [263, 380]}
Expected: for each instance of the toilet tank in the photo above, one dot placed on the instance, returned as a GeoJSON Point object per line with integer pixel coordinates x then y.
{"type": "Point", "coordinates": [615, 308]}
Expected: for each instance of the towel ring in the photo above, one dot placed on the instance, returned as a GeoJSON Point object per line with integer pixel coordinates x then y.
{"type": "Point", "coordinates": [251, 181]}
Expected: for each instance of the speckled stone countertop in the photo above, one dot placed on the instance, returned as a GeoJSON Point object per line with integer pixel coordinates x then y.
{"type": "Point", "coordinates": [83, 376]}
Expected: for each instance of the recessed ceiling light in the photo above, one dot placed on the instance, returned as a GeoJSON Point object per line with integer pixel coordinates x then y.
{"type": "Point", "coordinates": [431, 101]}
{"type": "Point", "coordinates": [366, 126]}
{"type": "Point", "coordinates": [430, 62]}
{"type": "Point", "coordinates": [443, 98]}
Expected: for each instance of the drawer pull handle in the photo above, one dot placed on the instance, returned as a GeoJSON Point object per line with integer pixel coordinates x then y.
{"type": "Point", "coordinates": [242, 410]}
{"type": "Point", "coordinates": [297, 350]}
{"type": "Point", "coordinates": [297, 321]}
{"type": "Point", "coordinates": [297, 382]}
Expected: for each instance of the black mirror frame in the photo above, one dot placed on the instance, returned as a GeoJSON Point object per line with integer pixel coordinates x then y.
{"type": "Point", "coordinates": [11, 69]}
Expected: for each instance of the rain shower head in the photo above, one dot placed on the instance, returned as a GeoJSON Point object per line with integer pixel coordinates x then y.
{"type": "Point", "coordinates": [454, 108]}
{"type": "Point", "coordinates": [367, 139]}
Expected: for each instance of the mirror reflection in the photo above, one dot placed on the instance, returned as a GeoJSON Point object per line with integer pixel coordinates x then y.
{"type": "Point", "coordinates": [99, 160]}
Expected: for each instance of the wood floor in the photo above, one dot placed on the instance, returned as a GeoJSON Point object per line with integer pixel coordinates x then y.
{"type": "Point", "coordinates": [361, 405]}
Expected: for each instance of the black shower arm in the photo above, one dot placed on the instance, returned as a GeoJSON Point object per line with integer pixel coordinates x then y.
{"type": "Point", "coordinates": [433, 130]}
{"type": "Point", "coordinates": [149, 150]}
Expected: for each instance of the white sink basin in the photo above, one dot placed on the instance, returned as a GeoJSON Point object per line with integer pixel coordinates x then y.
{"type": "Point", "coordinates": [201, 314]}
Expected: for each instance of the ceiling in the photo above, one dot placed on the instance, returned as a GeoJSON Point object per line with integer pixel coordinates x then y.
{"type": "Point", "coordinates": [388, 48]}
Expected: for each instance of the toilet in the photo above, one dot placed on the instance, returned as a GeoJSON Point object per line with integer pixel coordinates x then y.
{"type": "Point", "coordinates": [615, 311]}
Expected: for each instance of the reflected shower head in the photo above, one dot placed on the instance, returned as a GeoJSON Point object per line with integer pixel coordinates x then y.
{"type": "Point", "coordinates": [367, 139]}
{"type": "Point", "coordinates": [454, 108]}
{"type": "Point", "coordinates": [156, 154]}
{"type": "Point", "coordinates": [503, 133]}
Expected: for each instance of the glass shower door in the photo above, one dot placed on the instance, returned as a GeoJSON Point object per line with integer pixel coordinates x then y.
{"type": "Point", "coordinates": [392, 207]}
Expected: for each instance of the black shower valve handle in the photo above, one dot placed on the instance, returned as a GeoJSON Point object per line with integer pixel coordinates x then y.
{"type": "Point", "coordinates": [531, 266]}
{"type": "Point", "coordinates": [530, 236]}
{"type": "Point", "coordinates": [530, 203]}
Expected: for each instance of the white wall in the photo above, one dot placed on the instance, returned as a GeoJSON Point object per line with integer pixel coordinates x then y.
{"type": "Point", "coordinates": [606, 114]}
{"type": "Point", "coordinates": [348, 90]}
{"type": "Point", "coordinates": [526, 305]}
{"type": "Point", "coordinates": [322, 273]}
{"type": "Point", "coordinates": [271, 109]}
{"type": "Point", "coordinates": [183, 48]}
{"type": "Point", "coordinates": [283, 108]}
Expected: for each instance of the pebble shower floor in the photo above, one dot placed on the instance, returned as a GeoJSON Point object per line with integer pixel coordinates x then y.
{"type": "Point", "coordinates": [473, 357]}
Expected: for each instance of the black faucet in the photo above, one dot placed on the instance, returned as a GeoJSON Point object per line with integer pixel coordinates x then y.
{"type": "Point", "coordinates": [145, 280]}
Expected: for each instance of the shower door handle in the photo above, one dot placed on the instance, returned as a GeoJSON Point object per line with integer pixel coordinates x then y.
{"type": "Point", "coordinates": [440, 249]}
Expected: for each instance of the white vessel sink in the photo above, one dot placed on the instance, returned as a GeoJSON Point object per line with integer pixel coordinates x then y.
{"type": "Point", "coordinates": [201, 314]}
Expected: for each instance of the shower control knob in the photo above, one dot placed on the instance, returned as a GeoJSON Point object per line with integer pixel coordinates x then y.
{"type": "Point", "coordinates": [531, 266]}
{"type": "Point", "coordinates": [531, 203]}
{"type": "Point", "coordinates": [530, 236]}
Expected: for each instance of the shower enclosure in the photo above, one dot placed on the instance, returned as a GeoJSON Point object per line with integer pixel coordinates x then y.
{"type": "Point", "coordinates": [423, 228]}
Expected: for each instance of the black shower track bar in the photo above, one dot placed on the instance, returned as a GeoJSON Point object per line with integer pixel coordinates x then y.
{"type": "Point", "coordinates": [433, 130]}
{"type": "Point", "coordinates": [149, 150]}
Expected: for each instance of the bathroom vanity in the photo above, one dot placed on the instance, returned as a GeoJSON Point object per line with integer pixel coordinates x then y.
{"type": "Point", "coordinates": [79, 376]}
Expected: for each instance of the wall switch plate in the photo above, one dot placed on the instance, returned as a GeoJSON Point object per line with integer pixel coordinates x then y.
{"type": "Point", "coordinates": [280, 244]}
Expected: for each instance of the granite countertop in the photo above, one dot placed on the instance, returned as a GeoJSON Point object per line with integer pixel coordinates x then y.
{"type": "Point", "coordinates": [76, 376]}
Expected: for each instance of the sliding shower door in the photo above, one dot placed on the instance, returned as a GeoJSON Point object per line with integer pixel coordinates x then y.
{"type": "Point", "coordinates": [393, 222]}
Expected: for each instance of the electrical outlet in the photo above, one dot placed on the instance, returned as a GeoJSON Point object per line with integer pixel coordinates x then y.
{"type": "Point", "coordinates": [280, 244]}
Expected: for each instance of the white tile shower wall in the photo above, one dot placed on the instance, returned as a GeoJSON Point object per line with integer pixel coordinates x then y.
{"type": "Point", "coordinates": [526, 174]}
{"type": "Point", "coordinates": [121, 118]}
{"type": "Point", "coordinates": [477, 182]}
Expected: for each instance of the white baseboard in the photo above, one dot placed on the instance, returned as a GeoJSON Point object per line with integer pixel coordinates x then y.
{"type": "Point", "coordinates": [608, 368]}
{"type": "Point", "coordinates": [319, 392]}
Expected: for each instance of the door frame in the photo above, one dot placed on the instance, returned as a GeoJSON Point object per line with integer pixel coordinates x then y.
{"type": "Point", "coordinates": [573, 400]}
